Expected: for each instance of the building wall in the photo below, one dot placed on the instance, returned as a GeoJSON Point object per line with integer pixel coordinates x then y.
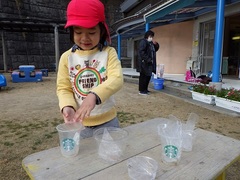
{"type": "Point", "coordinates": [39, 48]}
{"type": "Point", "coordinates": [178, 42]}
{"type": "Point", "coordinates": [175, 46]}
{"type": "Point", "coordinates": [32, 48]}
{"type": "Point", "coordinates": [229, 10]}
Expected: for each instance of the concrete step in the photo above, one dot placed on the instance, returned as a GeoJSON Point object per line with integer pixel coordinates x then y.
{"type": "Point", "coordinates": [180, 90]}
{"type": "Point", "coordinates": [170, 86]}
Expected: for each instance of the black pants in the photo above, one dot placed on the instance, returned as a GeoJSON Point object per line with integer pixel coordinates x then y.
{"type": "Point", "coordinates": [143, 82]}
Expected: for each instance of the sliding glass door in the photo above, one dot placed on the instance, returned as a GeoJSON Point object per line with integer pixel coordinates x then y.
{"type": "Point", "coordinates": [206, 48]}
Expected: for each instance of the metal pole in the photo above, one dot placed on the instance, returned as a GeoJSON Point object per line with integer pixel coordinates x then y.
{"type": "Point", "coordinates": [147, 27]}
{"type": "Point", "coordinates": [4, 53]}
{"type": "Point", "coordinates": [119, 46]}
{"type": "Point", "coordinates": [218, 41]}
{"type": "Point", "coordinates": [56, 47]}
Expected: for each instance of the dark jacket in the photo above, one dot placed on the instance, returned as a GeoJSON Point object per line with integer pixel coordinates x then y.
{"type": "Point", "coordinates": [147, 57]}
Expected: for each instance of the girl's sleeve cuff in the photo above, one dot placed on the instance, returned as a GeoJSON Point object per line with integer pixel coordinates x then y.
{"type": "Point", "coordinates": [98, 100]}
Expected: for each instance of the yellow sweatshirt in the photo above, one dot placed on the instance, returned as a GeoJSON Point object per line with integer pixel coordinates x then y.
{"type": "Point", "coordinates": [97, 71]}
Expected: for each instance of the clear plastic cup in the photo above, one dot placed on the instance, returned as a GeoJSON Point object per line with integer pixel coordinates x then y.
{"type": "Point", "coordinates": [69, 136]}
{"type": "Point", "coordinates": [142, 168]}
{"type": "Point", "coordinates": [188, 137]}
{"type": "Point", "coordinates": [111, 143]}
{"type": "Point", "coordinates": [171, 144]}
{"type": "Point", "coordinates": [171, 149]}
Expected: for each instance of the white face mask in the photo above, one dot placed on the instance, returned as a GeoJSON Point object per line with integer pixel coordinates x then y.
{"type": "Point", "coordinates": [150, 39]}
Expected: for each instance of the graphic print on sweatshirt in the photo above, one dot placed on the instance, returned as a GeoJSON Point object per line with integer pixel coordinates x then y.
{"type": "Point", "coordinates": [86, 74]}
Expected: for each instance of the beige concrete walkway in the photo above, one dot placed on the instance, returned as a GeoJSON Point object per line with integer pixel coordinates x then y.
{"type": "Point", "coordinates": [227, 83]}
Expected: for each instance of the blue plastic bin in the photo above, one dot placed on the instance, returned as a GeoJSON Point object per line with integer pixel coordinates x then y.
{"type": "Point", "coordinates": [158, 83]}
{"type": "Point", "coordinates": [3, 81]}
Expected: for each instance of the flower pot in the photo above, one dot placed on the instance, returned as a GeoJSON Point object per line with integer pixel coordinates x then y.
{"type": "Point", "coordinates": [227, 104]}
{"type": "Point", "coordinates": [209, 99]}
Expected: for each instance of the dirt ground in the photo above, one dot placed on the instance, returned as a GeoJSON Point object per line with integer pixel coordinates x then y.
{"type": "Point", "coordinates": [29, 114]}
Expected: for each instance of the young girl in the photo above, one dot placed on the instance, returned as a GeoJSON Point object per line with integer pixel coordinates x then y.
{"type": "Point", "coordinates": [90, 72]}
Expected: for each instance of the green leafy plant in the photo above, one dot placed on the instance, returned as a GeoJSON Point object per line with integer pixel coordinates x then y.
{"type": "Point", "coordinates": [231, 94]}
{"type": "Point", "coordinates": [204, 89]}
{"type": "Point", "coordinates": [198, 88]}
{"type": "Point", "coordinates": [209, 90]}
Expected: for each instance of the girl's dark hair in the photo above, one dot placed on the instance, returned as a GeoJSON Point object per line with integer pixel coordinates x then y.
{"type": "Point", "coordinates": [103, 35]}
{"type": "Point", "coordinates": [148, 33]}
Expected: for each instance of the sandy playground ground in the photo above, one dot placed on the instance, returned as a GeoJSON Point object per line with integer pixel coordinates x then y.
{"type": "Point", "coordinates": [29, 114]}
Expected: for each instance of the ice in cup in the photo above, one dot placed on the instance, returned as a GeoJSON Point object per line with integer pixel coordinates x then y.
{"type": "Point", "coordinates": [69, 136]}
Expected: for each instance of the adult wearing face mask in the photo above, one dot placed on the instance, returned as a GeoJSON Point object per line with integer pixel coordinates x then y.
{"type": "Point", "coordinates": [146, 61]}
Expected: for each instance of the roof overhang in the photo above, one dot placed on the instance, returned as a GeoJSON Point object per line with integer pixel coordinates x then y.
{"type": "Point", "coordinates": [128, 4]}
{"type": "Point", "coordinates": [31, 25]}
{"type": "Point", "coordinates": [165, 9]}
{"type": "Point", "coordinates": [128, 27]}
{"type": "Point", "coordinates": [172, 11]}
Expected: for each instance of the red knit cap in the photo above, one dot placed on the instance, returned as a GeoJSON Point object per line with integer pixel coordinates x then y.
{"type": "Point", "coordinates": [86, 13]}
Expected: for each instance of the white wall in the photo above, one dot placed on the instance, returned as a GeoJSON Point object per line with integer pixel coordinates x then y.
{"type": "Point", "coordinates": [175, 46]}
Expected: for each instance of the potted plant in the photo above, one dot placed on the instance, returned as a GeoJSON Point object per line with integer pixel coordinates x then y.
{"type": "Point", "coordinates": [204, 93]}
{"type": "Point", "coordinates": [229, 99]}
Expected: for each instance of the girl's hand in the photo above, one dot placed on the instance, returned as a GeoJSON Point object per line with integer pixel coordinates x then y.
{"type": "Point", "coordinates": [85, 109]}
{"type": "Point", "coordinates": [68, 114]}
